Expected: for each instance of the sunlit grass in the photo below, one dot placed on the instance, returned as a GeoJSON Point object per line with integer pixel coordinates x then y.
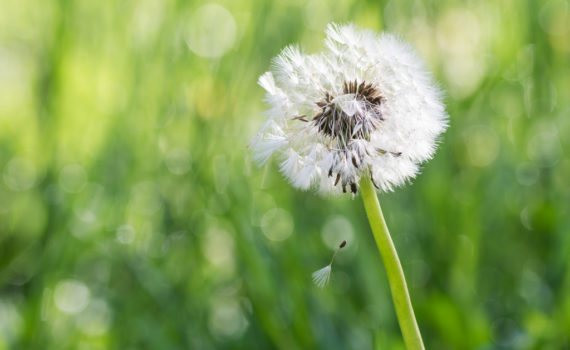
{"type": "Point", "coordinates": [131, 216]}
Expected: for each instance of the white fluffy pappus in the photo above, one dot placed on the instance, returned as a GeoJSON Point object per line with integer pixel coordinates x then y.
{"type": "Point", "coordinates": [321, 277]}
{"type": "Point", "coordinates": [365, 106]}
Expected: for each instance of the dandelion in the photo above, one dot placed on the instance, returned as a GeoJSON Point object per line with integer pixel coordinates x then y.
{"type": "Point", "coordinates": [364, 107]}
{"type": "Point", "coordinates": [362, 114]}
{"type": "Point", "coordinates": [321, 277]}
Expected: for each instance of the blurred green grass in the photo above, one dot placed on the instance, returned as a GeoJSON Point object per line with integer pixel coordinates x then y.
{"type": "Point", "coordinates": [131, 215]}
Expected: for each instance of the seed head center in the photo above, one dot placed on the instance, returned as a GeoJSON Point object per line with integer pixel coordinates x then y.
{"type": "Point", "coordinates": [353, 114]}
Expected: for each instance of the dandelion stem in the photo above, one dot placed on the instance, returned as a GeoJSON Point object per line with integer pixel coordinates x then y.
{"type": "Point", "coordinates": [396, 279]}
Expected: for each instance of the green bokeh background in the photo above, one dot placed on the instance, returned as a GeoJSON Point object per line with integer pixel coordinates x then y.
{"type": "Point", "coordinates": [132, 217]}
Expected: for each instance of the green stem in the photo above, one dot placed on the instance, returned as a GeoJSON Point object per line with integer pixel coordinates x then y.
{"type": "Point", "coordinates": [400, 295]}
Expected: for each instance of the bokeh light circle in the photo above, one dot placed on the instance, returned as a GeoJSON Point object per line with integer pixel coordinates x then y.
{"type": "Point", "coordinates": [227, 319]}
{"type": "Point", "coordinates": [337, 229]}
{"type": "Point", "coordinates": [211, 31]}
{"type": "Point", "coordinates": [277, 224]}
{"type": "Point", "coordinates": [19, 174]}
{"type": "Point", "coordinates": [71, 296]}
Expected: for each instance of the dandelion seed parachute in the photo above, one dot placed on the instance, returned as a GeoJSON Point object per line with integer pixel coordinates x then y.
{"type": "Point", "coordinates": [365, 106]}
{"type": "Point", "coordinates": [322, 276]}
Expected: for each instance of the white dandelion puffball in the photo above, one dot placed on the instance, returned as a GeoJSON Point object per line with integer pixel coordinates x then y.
{"type": "Point", "coordinates": [365, 106]}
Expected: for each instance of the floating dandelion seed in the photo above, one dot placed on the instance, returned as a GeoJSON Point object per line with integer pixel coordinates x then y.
{"type": "Point", "coordinates": [365, 107]}
{"type": "Point", "coordinates": [321, 277]}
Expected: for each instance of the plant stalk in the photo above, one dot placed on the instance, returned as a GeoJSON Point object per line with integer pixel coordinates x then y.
{"type": "Point", "coordinates": [396, 279]}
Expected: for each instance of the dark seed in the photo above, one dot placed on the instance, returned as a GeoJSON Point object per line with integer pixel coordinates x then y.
{"type": "Point", "coordinates": [353, 188]}
{"type": "Point", "coordinates": [342, 244]}
{"type": "Point", "coordinates": [337, 179]}
{"type": "Point", "coordinates": [354, 162]}
{"type": "Point", "coordinates": [374, 182]}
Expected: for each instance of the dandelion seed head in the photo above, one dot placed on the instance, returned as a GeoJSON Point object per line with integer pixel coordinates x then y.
{"type": "Point", "coordinates": [365, 106]}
